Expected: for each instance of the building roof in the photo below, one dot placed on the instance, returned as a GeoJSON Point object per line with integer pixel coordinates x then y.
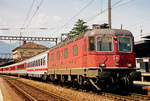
{"type": "Point", "coordinates": [142, 49]}
{"type": "Point", "coordinates": [146, 36]}
{"type": "Point", "coordinates": [31, 45]}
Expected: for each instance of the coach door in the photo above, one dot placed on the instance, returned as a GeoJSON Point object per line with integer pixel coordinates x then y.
{"type": "Point", "coordinates": [84, 53]}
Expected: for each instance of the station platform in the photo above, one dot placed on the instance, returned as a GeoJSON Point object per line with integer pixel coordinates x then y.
{"type": "Point", "coordinates": [141, 83]}
{"type": "Point", "coordinates": [145, 76]}
{"type": "Point", "coordinates": [145, 86]}
{"type": "Point", "coordinates": [7, 93]}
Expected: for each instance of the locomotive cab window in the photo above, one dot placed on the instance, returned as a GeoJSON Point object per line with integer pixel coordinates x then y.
{"type": "Point", "coordinates": [104, 43]}
{"type": "Point", "coordinates": [91, 43]}
{"type": "Point", "coordinates": [125, 44]}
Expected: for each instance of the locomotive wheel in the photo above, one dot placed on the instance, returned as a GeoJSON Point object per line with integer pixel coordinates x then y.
{"type": "Point", "coordinates": [63, 79]}
{"type": "Point", "coordinates": [44, 77]}
{"type": "Point", "coordinates": [52, 78]}
{"type": "Point", "coordinates": [80, 80]}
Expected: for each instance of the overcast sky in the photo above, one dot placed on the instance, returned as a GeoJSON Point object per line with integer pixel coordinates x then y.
{"type": "Point", "coordinates": [59, 16]}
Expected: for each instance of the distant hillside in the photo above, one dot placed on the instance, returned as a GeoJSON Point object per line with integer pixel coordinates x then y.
{"type": "Point", "coordinates": [6, 47]}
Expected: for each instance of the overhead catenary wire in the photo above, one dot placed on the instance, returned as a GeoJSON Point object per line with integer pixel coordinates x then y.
{"type": "Point", "coordinates": [28, 14]}
{"type": "Point", "coordinates": [38, 7]}
{"type": "Point", "coordinates": [78, 13]}
{"type": "Point", "coordinates": [101, 5]}
{"type": "Point", "coordinates": [103, 11]}
{"type": "Point", "coordinates": [124, 3]}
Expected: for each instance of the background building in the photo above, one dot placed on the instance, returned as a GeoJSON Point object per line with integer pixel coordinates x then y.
{"type": "Point", "coordinates": [28, 50]}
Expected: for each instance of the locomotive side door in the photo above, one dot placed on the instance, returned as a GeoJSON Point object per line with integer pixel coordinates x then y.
{"type": "Point", "coordinates": [84, 53]}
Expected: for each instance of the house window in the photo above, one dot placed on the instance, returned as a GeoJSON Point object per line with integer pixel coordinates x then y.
{"type": "Point", "coordinates": [21, 54]}
{"type": "Point", "coordinates": [65, 53]}
{"type": "Point", "coordinates": [30, 53]}
{"type": "Point", "coordinates": [75, 50]}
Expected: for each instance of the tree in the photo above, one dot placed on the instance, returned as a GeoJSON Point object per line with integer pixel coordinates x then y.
{"type": "Point", "coordinates": [78, 28]}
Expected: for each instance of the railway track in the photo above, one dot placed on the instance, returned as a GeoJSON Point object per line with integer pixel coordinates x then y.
{"type": "Point", "coordinates": [129, 97]}
{"type": "Point", "coordinates": [34, 93]}
{"type": "Point", "coordinates": [37, 94]}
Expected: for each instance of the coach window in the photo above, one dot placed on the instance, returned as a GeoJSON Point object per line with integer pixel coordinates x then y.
{"type": "Point", "coordinates": [58, 55]}
{"type": "Point", "coordinates": [65, 53]}
{"type": "Point", "coordinates": [38, 63]}
{"type": "Point", "coordinates": [20, 66]}
{"type": "Point", "coordinates": [41, 62]}
{"type": "Point", "coordinates": [75, 50]}
{"type": "Point", "coordinates": [34, 64]}
{"type": "Point", "coordinates": [91, 44]}
{"type": "Point", "coordinates": [29, 64]}
{"type": "Point", "coordinates": [44, 61]}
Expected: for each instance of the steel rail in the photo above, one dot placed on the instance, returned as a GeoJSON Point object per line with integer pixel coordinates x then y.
{"type": "Point", "coordinates": [129, 97]}
{"type": "Point", "coordinates": [29, 96]}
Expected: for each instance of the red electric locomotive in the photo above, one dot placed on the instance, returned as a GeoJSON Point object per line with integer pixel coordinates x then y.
{"type": "Point", "coordinates": [101, 57]}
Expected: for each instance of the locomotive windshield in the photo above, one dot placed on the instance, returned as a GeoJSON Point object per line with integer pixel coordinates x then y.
{"type": "Point", "coordinates": [124, 44]}
{"type": "Point", "coordinates": [104, 43]}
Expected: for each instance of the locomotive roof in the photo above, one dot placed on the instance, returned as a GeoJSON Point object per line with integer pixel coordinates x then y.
{"type": "Point", "coordinates": [93, 32]}
{"type": "Point", "coordinates": [108, 31]}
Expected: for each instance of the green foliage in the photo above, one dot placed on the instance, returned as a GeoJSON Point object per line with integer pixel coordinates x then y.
{"type": "Point", "coordinates": [78, 28]}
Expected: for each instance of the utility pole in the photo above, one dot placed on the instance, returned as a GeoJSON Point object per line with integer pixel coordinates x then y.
{"type": "Point", "coordinates": [109, 13]}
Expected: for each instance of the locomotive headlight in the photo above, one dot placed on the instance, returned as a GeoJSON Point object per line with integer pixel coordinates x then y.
{"type": "Point", "coordinates": [129, 65]}
{"type": "Point", "coordinates": [102, 65]}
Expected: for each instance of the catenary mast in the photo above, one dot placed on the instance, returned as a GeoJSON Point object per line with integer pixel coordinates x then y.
{"type": "Point", "coordinates": [109, 13]}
